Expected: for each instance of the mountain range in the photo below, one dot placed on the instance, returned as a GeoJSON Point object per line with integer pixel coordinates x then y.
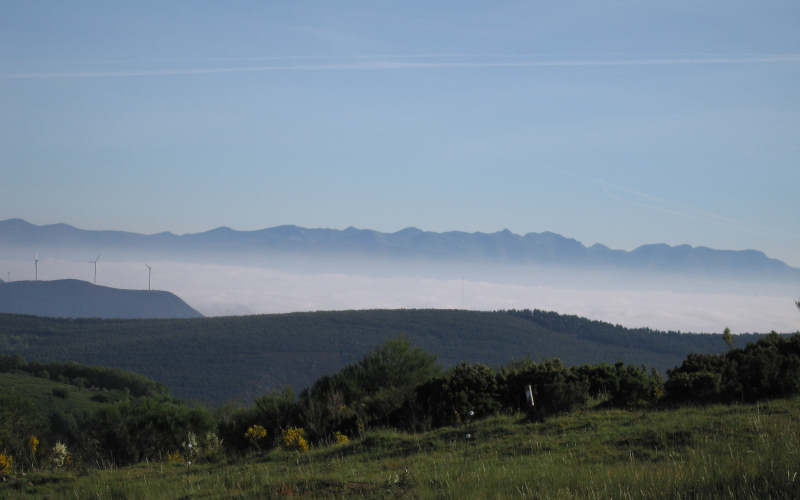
{"type": "Point", "coordinates": [546, 248]}
{"type": "Point", "coordinates": [79, 299]}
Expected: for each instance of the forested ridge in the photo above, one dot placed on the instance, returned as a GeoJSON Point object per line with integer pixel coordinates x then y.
{"type": "Point", "coordinates": [233, 358]}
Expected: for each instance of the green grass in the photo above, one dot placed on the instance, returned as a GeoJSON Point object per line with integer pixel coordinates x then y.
{"type": "Point", "coordinates": [734, 451]}
{"type": "Point", "coordinates": [53, 396]}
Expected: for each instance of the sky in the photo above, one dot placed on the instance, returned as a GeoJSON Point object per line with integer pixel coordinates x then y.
{"type": "Point", "coordinates": [620, 122]}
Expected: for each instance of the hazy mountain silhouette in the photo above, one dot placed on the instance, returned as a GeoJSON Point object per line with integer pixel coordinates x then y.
{"type": "Point", "coordinates": [502, 246]}
{"type": "Point", "coordinates": [80, 299]}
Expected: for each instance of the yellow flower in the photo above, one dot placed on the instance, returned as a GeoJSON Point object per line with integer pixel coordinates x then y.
{"type": "Point", "coordinates": [341, 438]}
{"type": "Point", "coordinates": [6, 464]}
{"type": "Point", "coordinates": [255, 433]}
{"type": "Point", "coordinates": [174, 457]}
{"type": "Point", "coordinates": [33, 444]}
{"type": "Point", "coordinates": [294, 439]}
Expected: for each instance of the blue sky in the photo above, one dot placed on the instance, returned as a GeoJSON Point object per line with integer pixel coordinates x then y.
{"type": "Point", "coordinates": [619, 122]}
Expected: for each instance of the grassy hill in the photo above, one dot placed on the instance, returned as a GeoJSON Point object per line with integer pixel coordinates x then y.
{"type": "Point", "coordinates": [726, 451]}
{"type": "Point", "coordinates": [50, 396]}
{"type": "Point", "coordinates": [80, 299]}
{"type": "Point", "coordinates": [225, 358]}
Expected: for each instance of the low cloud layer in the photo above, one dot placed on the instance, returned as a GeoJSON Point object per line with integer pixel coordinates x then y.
{"type": "Point", "coordinates": [216, 289]}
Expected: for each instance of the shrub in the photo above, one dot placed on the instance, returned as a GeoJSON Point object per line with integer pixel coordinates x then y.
{"type": "Point", "coordinates": [636, 387]}
{"type": "Point", "coordinates": [368, 392]}
{"type": "Point", "coordinates": [59, 455]}
{"type": "Point", "coordinates": [445, 400]}
{"type": "Point", "coordinates": [702, 386]}
{"type": "Point", "coordinates": [6, 465]}
{"type": "Point", "coordinates": [294, 439]}
{"type": "Point", "coordinates": [99, 398]}
{"type": "Point", "coordinates": [255, 434]}
{"type": "Point", "coordinates": [60, 392]}
{"type": "Point", "coordinates": [146, 428]}
{"type": "Point", "coordinates": [555, 388]}
{"type": "Point", "coordinates": [764, 369]}
{"type": "Point", "coordinates": [273, 411]}
{"type": "Point", "coordinates": [33, 444]}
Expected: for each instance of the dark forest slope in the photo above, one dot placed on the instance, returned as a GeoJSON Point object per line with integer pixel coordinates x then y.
{"type": "Point", "coordinates": [218, 359]}
{"type": "Point", "coordinates": [81, 299]}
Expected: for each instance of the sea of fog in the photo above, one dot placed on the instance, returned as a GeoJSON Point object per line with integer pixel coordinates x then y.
{"type": "Point", "coordinates": [218, 289]}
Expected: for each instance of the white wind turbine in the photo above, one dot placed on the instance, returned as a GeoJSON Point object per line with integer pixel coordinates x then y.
{"type": "Point", "coordinates": [36, 267]}
{"type": "Point", "coordinates": [95, 267]}
{"type": "Point", "coordinates": [148, 276]}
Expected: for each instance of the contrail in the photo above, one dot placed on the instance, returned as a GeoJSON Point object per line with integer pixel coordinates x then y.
{"type": "Point", "coordinates": [646, 200]}
{"type": "Point", "coordinates": [408, 65]}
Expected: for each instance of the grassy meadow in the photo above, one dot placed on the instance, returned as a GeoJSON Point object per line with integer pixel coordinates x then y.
{"type": "Point", "coordinates": [719, 451]}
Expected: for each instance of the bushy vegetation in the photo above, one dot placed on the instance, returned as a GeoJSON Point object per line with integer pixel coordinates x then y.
{"type": "Point", "coordinates": [100, 415]}
{"type": "Point", "coordinates": [764, 369]}
{"type": "Point", "coordinates": [414, 395]}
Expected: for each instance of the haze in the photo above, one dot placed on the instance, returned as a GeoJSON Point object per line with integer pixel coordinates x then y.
{"type": "Point", "coordinates": [634, 300]}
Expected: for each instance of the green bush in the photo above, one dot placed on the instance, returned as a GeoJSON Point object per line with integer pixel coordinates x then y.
{"type": "Point", "coordinates": [555, 388]}
{"type": "Point", "coordinates": [764, 369]}
{"type": "Point", "coordinates": [367, 393]}
{"type": "Point", "coordinates": [702, 386]}
{"type": "Point", "coordinates": [60, 392]}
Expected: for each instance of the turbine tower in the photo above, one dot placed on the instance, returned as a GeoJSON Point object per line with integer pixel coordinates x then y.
{"type": "Point", "coordinates": [95, 267]}
{"type": "Point", "coordinates": [36, 267]}
{"type": "Point", "coordinates": [148, 276]}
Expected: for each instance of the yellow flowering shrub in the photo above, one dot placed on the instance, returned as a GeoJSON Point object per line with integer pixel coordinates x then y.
{"type": "Point", "coordinates": [6, 465]}
{"type": "Point", "coordinates": [341, 438]}
{"type": "Point", "coordinates": [294, 439]}
{"type": "Point", "coordinates": [33, 444]}
{"type": "Point", "coordinates": [174, 457]}
{"type": "Point", "coordinates": [255, 433]}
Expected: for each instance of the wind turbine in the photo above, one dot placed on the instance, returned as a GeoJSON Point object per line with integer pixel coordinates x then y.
{"type": "Point", "coordinates": [36, 267]}
{"type": "Point", "coordinates": [95, 267]}
{"type": "Point", "coordinates": [148, 276]}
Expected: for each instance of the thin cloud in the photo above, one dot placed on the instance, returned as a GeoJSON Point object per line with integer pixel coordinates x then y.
{"type": "Point", "coordinates": [407, 65]}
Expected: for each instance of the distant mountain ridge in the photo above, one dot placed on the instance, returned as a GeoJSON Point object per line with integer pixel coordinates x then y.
{"type": "Point", "coordinates": [502, 246]}
{"type": "Point", "coordinates": [80, 299]}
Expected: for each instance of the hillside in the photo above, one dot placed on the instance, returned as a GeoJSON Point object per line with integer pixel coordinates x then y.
{"type": "Point", "coordinates": [224, 358]}
{"type": "Point", "coordinates": [80, 299]}
{"type": "Point", "coordinates": [722, 451]}
{"type": "Point", "coordinates": [546, 248]}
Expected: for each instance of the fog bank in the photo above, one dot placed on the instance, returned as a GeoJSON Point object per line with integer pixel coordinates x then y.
{"type": "Point", "coordinates": [216, 289]}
